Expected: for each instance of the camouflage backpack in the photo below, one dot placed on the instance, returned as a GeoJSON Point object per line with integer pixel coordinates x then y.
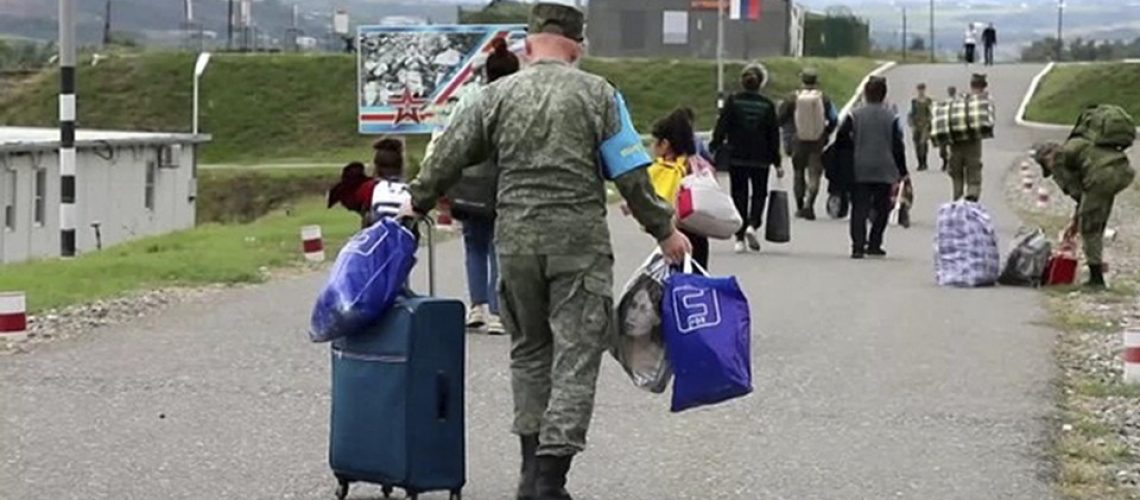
{"type": "Point", "coordinates": [1106, 125]}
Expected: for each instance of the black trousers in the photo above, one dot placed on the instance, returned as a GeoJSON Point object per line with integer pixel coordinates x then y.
{"type": "Point", "coordinates": [700, 249]}
{"type": "Point", "coordinates": [869, 201]}
{"type": "Point", "coordinates": [749, 186]}
{"type": "Point", "coordinates": [970, 49]}
{"type": "Point", "coordinates": [989, 55]}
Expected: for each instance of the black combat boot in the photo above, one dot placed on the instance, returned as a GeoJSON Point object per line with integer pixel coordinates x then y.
{"type": "Point", "coordinates": [552, 477]}
{"type": "Point", "coordinates": [1096, 277]}
{"type": "Point", "coordinates": [528, 476]}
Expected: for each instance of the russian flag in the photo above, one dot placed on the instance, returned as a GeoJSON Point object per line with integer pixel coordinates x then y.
{"type": "Point", "coordinates": [744, 9]}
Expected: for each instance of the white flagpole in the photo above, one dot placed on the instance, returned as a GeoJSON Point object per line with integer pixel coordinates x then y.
{"type": "Point", "coordinates": [719, 54]}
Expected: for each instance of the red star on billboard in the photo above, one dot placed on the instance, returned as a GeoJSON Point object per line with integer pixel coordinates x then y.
{"type": "Point", "coordinates": [408, 108]}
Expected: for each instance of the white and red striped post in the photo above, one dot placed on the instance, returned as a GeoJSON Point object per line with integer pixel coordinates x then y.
{"type": "Point", "coordinates": [1042, 197]}
{"type": "Point", "coordinates": [13, 316]}
{"type": "Point", "coordinates": [312, 244]}
{"type": "Point", "coordinates": [1131, 356]}
{"type": "Point", "coordinates": [1027, 183]}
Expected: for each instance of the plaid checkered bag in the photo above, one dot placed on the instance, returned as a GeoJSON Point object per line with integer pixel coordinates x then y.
{"type": "Point", "coordinates": [963, 119]}
{"type": "Point", "coordinates": [966, 247]}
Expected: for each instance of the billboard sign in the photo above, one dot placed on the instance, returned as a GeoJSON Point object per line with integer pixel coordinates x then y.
{"type": "Point", "coordinates": [409, 75]}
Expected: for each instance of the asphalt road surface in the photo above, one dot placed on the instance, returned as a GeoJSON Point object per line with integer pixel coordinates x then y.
{"type": "Point", "coordinates": [871, 382]}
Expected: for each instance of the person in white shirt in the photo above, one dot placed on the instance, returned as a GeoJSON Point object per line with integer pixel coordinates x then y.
{"type": "Point", "coordinates": [971, 42]}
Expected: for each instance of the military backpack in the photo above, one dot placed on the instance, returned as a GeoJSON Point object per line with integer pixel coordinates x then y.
{"type": "Point", "coordinates": [1106, 125]}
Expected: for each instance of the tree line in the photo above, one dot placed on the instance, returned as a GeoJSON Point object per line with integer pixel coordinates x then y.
{"type": "Point", "coordinates": [1080, 49]}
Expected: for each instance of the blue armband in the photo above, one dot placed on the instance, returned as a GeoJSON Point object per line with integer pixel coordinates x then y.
{"type": "Point", "coordinates": [624, 152]}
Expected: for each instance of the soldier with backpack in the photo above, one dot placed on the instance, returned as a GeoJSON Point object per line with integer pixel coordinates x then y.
{"type": "Point", "coordinates": [1092, 168]}
{"type": "Point", "coordinates": [748, 126]}
{"type": "Point", "coordinates": [814, 117]}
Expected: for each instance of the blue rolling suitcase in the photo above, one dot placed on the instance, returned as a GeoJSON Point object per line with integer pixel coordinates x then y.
{"type": "Point", "coordinates": [397, 399]}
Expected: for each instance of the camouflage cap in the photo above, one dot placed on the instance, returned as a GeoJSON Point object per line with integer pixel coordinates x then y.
{"type": "Point", "coordinates": [1043, 150]}
{"type": "Point", "coordinates": [557, 18]}
{"type": "Point", "coordinates": [978, 80]}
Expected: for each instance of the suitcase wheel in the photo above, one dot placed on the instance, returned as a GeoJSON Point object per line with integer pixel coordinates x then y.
{"type": "Point", "coordinates": [342, 489]}
{"type": "Point", "coordinates": [456, 495]}
{"type": "Point", "coordinates": [387, 490]}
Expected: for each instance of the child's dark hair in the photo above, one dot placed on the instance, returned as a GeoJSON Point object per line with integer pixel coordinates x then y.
{"type": "Point", "coordinates": [678, 130]}
{"type": "Point", "coordinates": [501, 62]}
{"type": "Point", "coordinates": [689, 114]}
{"type": "Point", "coordinates": [388, 158]}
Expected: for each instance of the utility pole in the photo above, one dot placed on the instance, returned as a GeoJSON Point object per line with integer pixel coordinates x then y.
{"type": "Point", "coordinates": [904, 34]}
{"type": "Point", "coordinates": [230, 28]}
{"type": "Point", "coordinates": [719, 54]}
{"type": "Point", "coordinates": [1060, 26]}
{"type": "Point", "coordinates": [67, 128]}
{"type": "Point", "coordinates": [107, 25]}
{"type": "Point", "coordinates": [932, 31]}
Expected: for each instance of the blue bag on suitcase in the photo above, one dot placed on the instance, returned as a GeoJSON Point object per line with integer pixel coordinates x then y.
{"type": "Point", "coordinates": [397, 399]}
{"type": "Point", "coordinates": [370, 272]}
{"type": "Point", "coordinates": [707, 327]}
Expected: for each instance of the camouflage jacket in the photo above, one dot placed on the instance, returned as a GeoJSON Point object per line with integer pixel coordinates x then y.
{"type": "Point", "coordinates": [545, 125]}
{"type": "Point", "coordinates": [921, 112]}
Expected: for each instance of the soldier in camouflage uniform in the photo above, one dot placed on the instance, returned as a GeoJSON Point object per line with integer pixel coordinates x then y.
{"type": "Point", "coordinates": [545, 125]}
{"type": "Point", "coordinates": [920, 120]}
{"type": "Point", "coordinates": [1093, 176]}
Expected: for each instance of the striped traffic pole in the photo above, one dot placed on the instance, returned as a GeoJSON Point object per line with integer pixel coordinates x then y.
{"type": "Point", "coordinates": [312, 244]}
{"type": "Point", "coordinates": [1027, 184]}
{"type": "Point", "coordinates": [67, 211]}
{"type": "Point", "coordinates": [13, 316]}
{"type": "Point", "coordinates": [1042, 197]}
{"type": "Point", "coordinates": [1131, 356]}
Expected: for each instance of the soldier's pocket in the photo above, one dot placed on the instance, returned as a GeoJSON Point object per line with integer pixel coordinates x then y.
{"type": "Point", "coordinates": [590, 303]}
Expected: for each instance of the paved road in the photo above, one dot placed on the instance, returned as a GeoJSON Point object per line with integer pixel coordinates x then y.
{"type": "Point", "coordinates": [871, 383]}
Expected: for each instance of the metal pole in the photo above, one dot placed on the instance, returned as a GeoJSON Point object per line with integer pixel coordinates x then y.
{"type": "Point", "coordinates": [107, 25]}
{"type": "Point", "coordinates": [1060, 25]}
{"type": "Point", "coordinates": [904, 35]}
{"type": "Point", "coordinates": [67, 128]}
{"type": "Point", "coordinates": [230, 28]}
{"type": "Point", "coordinates": [932, 31]}
{"type": "Point", "coordinates": [194, 129]}
{"type": "Point", "coordinates": [719, 54]}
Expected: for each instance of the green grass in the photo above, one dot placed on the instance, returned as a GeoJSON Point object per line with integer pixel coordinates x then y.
{"type": "Point", "coordinates": [1069, 88]}
{"type": "Point", "coordinates": [208, 254]}
{"type": "Point", "coordinates": [290, 108]}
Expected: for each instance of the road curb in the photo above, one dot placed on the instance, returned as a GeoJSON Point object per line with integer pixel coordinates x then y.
{"type": "Point", "coordinates": [1032, 90]}
{"type": "Point", "coordinates": [883, 68]}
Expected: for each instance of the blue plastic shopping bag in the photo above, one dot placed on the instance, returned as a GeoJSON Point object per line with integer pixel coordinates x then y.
{"type": "Point", "coordinates": [707, 327]}
{"type": "Point", "coordinates": [370, 273]}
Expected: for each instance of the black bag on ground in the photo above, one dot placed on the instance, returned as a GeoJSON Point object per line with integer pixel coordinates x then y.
{"type": "Point", "coordinates": [779, 224]}
{"type": "Point", "coordinates": [1028, 257]}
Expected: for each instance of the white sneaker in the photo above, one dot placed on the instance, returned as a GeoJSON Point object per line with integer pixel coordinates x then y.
{"type": "Point", "coordinates": [752, 239]}
{"type": "Point", "coordinates": [494, 325]}
{"type": "Point", "coordinates": [740, 248]}
{"type": "Point", "coordinates": [477, 316]}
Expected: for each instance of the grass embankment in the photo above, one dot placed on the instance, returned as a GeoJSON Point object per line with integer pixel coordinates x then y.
{"type": "Point", "coordinates": [301, 108]}
{"type": "Point", "coordinates": [1068, 89]}
{"type": "Point", "coordinates": [211, 253]}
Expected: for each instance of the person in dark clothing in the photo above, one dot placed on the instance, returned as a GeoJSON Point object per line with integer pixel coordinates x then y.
{"type": "Point", "coordinates": [879, 163]}
{"type": "Point", "coordinates": [989, 40]}
{"type": "Point", "coordinates": [747, 126]}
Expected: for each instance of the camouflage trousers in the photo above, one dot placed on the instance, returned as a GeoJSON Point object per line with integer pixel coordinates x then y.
{"type": "Point", "coordinates": [557, 309]}
{"type": "Point", "coordinates": [807, 160]}
{"type": "Point", "coordinates": [921, 138]}
{"type": "Point", "coordinates": [1095, 207]}
{"type": "Point", "coordinates": [966, 169]}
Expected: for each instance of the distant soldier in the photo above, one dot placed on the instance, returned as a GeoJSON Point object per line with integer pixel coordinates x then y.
{"type": "Point", "coordinates": [919, 119]}
{"type": "Point", "coordinates": [545, 127]}
{"type": "Point", "coordinates": [1092, 168]}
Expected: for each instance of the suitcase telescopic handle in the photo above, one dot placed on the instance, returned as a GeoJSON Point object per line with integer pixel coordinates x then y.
{"type": "Point", "coordinates": [413, 224]}
{"type": "Point", "coordinates": [442, 395]}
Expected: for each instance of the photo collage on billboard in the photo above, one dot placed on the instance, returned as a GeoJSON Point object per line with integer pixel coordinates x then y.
{"type": "Point", "coordinates": [410, 75]}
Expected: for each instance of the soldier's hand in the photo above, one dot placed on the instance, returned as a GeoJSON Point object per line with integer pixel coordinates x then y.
{"type": "Point", "coordinates": [676, 247]}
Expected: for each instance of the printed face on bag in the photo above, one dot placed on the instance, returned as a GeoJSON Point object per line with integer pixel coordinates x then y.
{"type": "Point", "coordinates": [695, 308]}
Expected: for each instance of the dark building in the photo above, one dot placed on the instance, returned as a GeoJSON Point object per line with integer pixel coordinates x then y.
{"type": "Point", "coordinates": [688, 29]}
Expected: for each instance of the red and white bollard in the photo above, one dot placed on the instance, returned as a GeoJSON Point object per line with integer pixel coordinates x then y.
{"type": "Point", "coordinates": [13, 316]}
{"type": "Point", "coordinates": [1042, 197]}
{"type": "Point", "coordinates": [443, 220]}
{"type": "Point", "coordinates": [1131, 356]}
{"type": "Point", "coordinates": [1027, 183]}
{"type": "Point", "coordinates": [312, 244]}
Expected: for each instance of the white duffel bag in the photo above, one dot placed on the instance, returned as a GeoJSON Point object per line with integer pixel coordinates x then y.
{"type": "Point", "coordinates": [704, 208]}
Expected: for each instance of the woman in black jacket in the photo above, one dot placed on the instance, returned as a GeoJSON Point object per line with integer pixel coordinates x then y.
{"type": "Point", "coordinates": [747, 126]}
